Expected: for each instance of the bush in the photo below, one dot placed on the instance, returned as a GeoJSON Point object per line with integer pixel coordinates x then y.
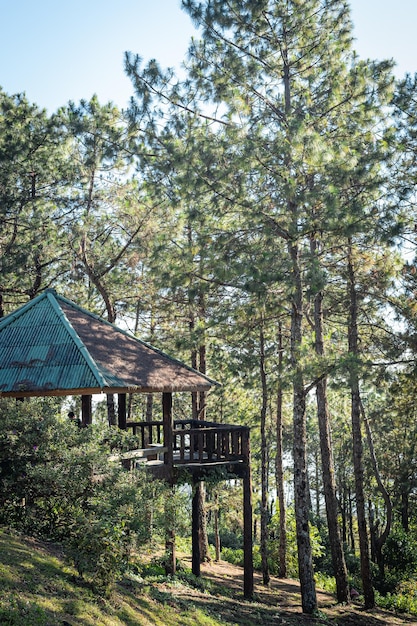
{"type": "Point", "coordinates": [57, 482]}
{"type": "Point", "coordinates": [228, 539]}
{"type": "Point", "coordinates": [235, 556]}
{"type": "Point", "coordinates": [404, 600]}
{"type": "Point", "coordinates": [99, 551]}
{"type": "Point", "coordinates": [292, 553]}
{"type": "Point", "coordinates": [17, 612]}
{"type": "Point", "coordinates": [400, 553]}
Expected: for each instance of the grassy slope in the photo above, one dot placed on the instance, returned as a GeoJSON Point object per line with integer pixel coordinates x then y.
{"type": "Point", "coordinates": [38, 588]}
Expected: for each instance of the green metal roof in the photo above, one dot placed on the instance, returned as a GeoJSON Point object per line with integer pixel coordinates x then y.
{"type": "Point", "coordinates": [51, 346]}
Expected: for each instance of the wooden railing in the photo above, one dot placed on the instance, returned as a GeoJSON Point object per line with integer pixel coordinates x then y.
{"type": "Point", "coordinates": [148, 432]}
{"type": "Point", "coordinates": [197, 441]}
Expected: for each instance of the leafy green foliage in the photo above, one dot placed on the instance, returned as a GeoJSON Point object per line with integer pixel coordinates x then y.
{"type": "Point", "coordinates": [400, 561]}
{"type": "Point", "coordinates": [292, 559]}
{"type": "Point", "coordinates": [58, 483]}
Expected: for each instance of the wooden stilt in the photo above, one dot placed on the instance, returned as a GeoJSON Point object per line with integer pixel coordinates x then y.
{"type": "Point", "coordinates": [195, 567]}
{"type": "Point", "coordinates": [170, 565]}
{"type": "Point", "coordinates": [247, 524]}
{"type": "Point", "coordinates": [86, 410]}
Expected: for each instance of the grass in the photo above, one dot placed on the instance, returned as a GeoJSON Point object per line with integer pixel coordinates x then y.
{"type": "Point", "coordinates": [37, 588]}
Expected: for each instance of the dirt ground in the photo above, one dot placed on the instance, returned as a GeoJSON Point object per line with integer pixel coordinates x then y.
{"type": "Point", "coordinates": [276, 605]}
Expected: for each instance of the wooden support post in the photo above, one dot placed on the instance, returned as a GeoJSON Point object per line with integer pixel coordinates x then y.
{"type": "Point", "coordinates": [86, 410]}
{"type": "Point", "coordinates": [121, 410]}
{"type": "Point", "coordinates": [247, 522]}
{"type": "Point", "coordinates": [195, 534]}
{"type": "Point", "coordinates": [170, 565]}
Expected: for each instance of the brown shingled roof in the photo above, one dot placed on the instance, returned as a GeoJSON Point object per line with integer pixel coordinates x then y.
{"type": "Point", "coordinates": [51, 346]}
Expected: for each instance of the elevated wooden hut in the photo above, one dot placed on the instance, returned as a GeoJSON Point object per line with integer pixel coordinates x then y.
{"type": "Point", "coordinates": [52, 347]}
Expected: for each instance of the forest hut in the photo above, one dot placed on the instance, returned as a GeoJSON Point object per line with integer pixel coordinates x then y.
{"type": "Point", "coordinates": [52, 347]}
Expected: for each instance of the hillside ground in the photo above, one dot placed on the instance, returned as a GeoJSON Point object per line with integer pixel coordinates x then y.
{"type": "Point", "coordinates": [38, 588]}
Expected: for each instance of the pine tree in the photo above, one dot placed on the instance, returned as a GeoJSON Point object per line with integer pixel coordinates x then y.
{"type": "Point", "coordinates": [32, 173]}
{"type": "Point", "coordinates": [293, 113]}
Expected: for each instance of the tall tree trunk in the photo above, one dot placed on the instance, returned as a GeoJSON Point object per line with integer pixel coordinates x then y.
{"type": "Point", "coordinates": [195, 530]}
{"type": "Point", "coordinates": [301, 491]}
{"type": "Point", "coordinates": [353, 339]}
{"type": "Point", "coordinates": [264, 462]}
{"type": "Point", "coordinates": [169, 504]}
{"type": "Point", "coordinates": [279, 466]}
{"type": "Point", "coordinates": [327, 462]}
{"type": "Point", "coordinates": [202, 522]}
{"type": "Point", "coordinates": [149, 407]}
{"type": "Point", "coordinates": [344, 513]}
{"type": "Point", "coordinates": [170, 547]}
{"type": "Point", "coordinates": [198, 400]}
{"type": "Point", "coordinates": [329, 485]}
{"type": "Point", "coordinates": [202, 406]}
{"type": "Point", "coordinates": [351, 529]}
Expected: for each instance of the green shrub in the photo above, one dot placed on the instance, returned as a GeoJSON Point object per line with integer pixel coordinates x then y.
{"type": "Point", "coordinates": [99, 551]}
{"type": "Point", "coordinates": [404, 600]}
{"type": "Point", "coordinates": [233, 555]}
{"type": "Point", "coordinates": [56, 482]}
{"type": "Point", "coordinates": [236, 557]}
{"type": "Point", "coordinates": [228, 538]}
{"type": "Point", "coordinates": [292, 554]}
{"type": "Point", "coordinates": [400, 553]}
{"type": "Point", "coordinates": [16, 612]}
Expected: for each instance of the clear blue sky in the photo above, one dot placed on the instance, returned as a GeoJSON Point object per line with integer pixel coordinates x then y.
{"type": "Point", "coordinates": [57, 51]}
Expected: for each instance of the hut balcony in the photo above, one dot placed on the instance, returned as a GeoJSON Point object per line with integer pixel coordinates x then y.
{"type": "Point", "coordinates": [192, 444]}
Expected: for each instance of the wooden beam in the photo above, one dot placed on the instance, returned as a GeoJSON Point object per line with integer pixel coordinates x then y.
{"type": "Point", "coordinates": [138, 454]}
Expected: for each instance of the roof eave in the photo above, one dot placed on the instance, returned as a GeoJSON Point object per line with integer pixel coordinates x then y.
{"type": "Point", "coordinates": [97, 391]}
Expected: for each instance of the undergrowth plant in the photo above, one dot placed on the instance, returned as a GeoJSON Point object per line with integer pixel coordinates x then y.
{"type": "Point", "coordinates": [58, 483]}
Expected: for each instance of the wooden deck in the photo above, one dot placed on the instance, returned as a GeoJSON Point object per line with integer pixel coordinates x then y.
{"type": "Point", "coordinates": [198, 446]}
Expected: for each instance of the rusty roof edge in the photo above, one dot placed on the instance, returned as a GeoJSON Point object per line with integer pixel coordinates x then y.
{"type": "Point", "coordinates": [53, 297]}
{"type": "Point", "coordinates": [211, 381]}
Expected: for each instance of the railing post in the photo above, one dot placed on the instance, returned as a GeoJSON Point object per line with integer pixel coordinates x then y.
{"type": "Point", "coordinates": [168, 428]}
